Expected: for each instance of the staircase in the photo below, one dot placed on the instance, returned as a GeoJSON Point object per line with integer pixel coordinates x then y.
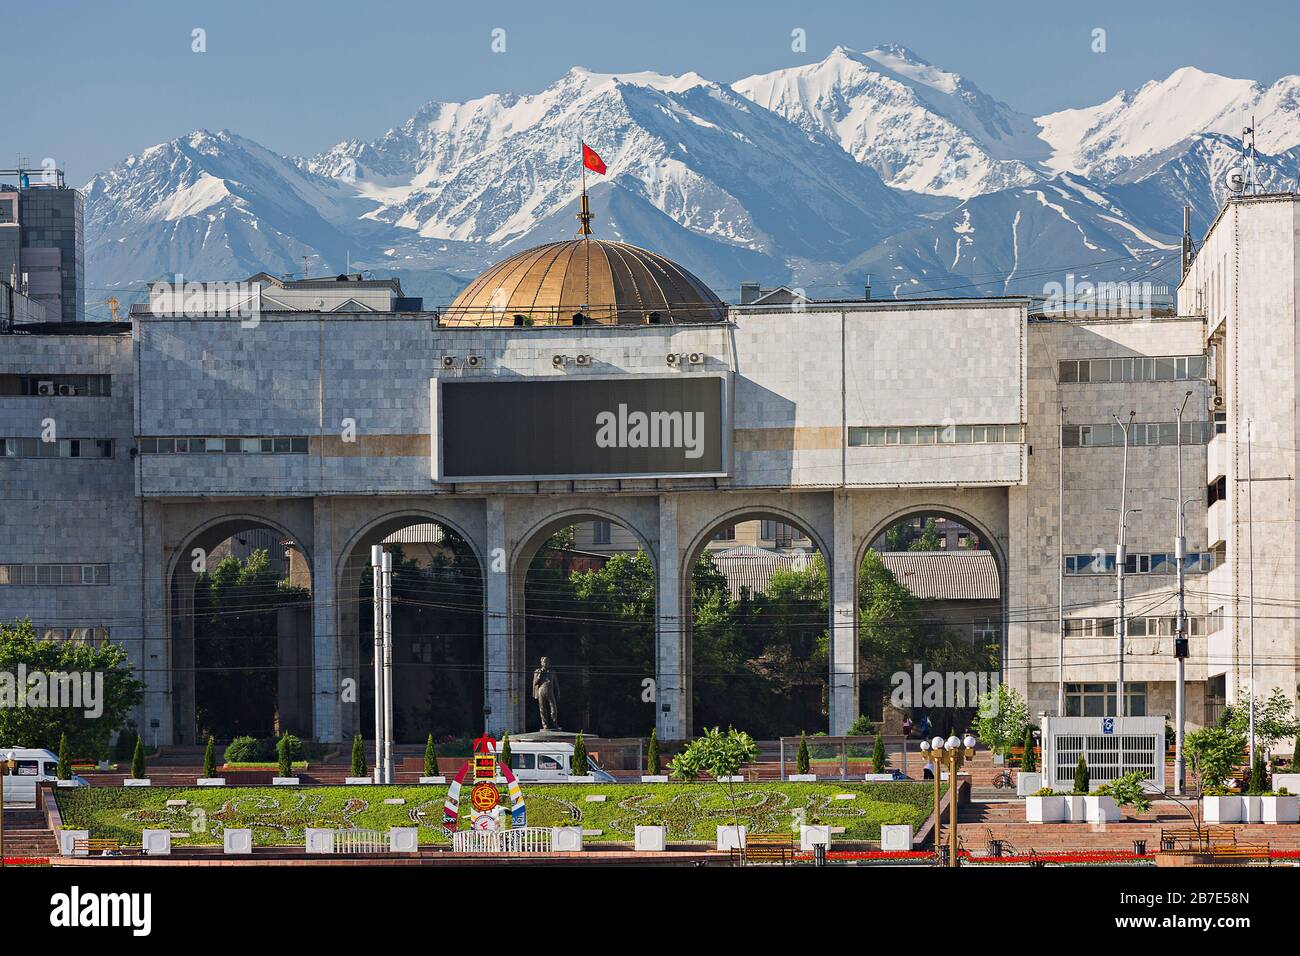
{"type": "Point", "coordinates": [26, 835]}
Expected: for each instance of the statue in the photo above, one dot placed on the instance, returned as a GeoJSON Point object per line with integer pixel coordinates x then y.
{"type": "Point", "coordinates": [546, 689]}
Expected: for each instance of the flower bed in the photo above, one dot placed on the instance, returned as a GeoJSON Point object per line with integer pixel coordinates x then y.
{"type": "Point", "coordinates": [690, 811]}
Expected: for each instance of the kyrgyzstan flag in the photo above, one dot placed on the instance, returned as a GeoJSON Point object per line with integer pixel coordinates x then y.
{"type": "Point", "coordinates": [591, 159]}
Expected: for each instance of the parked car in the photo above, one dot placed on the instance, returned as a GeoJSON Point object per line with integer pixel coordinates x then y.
{"type": "Point", "coordinates": [539, 762]}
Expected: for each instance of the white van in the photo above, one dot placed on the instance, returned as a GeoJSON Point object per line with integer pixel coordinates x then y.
{"type": "Point", "coordinates": [542, 761]}
{"type": "Point", "coordinates": [41, 765]}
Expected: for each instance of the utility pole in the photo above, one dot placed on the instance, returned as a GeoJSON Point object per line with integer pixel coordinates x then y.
{"type": "Point", "coordinates": [1180, 626]}
{"type": "Point", "coordinates": [1060, 564]}
{"type": "Point", "coordinates": [388, 667]}
{"type": "Point", "coordinates": [1250, 538]}
{"type": "Point", "coordinates": [376, 570]}
{"type": "Point", "coordinates": [1121, 558]}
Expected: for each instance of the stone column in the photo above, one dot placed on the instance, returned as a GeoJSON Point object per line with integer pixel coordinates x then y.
{"type": "Point", "coordinates": [843, 620]}
{"type": "Point", "coordinates": [155, 661]}
{"type": "Point", "coordinates": [503, 678]}
{"type": "Point", "coordinates": [327, 678]}
{"type": "Point", "coordinates": [672, 651]}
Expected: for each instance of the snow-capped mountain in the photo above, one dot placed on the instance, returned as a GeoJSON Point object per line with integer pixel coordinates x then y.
{"type": "Point", "coordinates": [921, 128]}
{"type": "Point", "coordinates": [812, 176]}
{"type": "Point", "coordinates": [1109, 138]}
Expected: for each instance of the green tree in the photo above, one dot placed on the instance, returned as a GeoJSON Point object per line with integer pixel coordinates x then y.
{"type": "Point", "coordinates": [210, 758]}
{"type": "Point", "coordinates": [1003, 718]}
{"type": "Point", "coordinates": [430, 757]}
{"type": "Point", "coordinates": [879, 759]}
{"type": "Point", "coordinates": [358, 757]}
{"type": "Point", "coordinates": [802, 762]}
{"type": "Point", "coordinates": [1128, 791]}
{"type": "Point", "coordinates": [1257, 783]}
{"type": "Point", "coordinates": [137, 760]}
{"type": "Point", "coordinates": [90, 728]}
{"type": "Point", "coordinates": [65, 759]}
{"type": "Point", "coordinates": [1274, 718]}
{"type": "Point", "coordinates": [652, 754]}
{"type": "Point", "coordinates": [717, 755]}
{"type": "Point", "coordinates": [1029, 764]}
{"type": "Point", "coordinates": [1082, 780]}
{"type": "Point", "coordinates": [579, 763]}
{"type": "Point", "coordinates": [1213, 754]}
{"type": "Point", "coordinates": [504, 755]}
{"type": "Point", "coordinates": [283, 757]}
{"type": "Point", "coordinates": [928, 539]}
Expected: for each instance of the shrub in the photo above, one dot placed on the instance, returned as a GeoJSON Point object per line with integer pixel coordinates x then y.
{"type": "Point", "coordinates": [1128, 791]}
{"type": "Point", "coordinates": [284, 755]}
{"type": "Point", "coordinates": [652, 754]}
{"type": "Point", "coordinates": [579, 765]}
{"type": "Point", "coordinates": [358, 757]}
{"type": "Point", "coordinates": [801, 760]}
{"type": "Point", "coordinates": [1212, 756]}
{"type": "Point", "coordinates": [294, 745]}
{"type": "Point", "coordinates": [504, 750]}
{"type": "Point", "coordinates": [137, 760]}
{"type": "Point", "coordinates": [1257, 782]}
{"type": "Point", "coordinates": [862, 727]}
{"type": "Point", "coordinates": [210, 758]}
{"type": "Point", "coordinates": [1081, 778]}
{"type": "Point", "coordinates": [1028, 763]}
{"type": "Point", "coordinates": [879, 759]}
{"type": "Point", "coordinates": [244, 750]}
{"type": "Point", "coordinates": [430, 757]}
{"type": "Point", "coordinates": [65, 762]}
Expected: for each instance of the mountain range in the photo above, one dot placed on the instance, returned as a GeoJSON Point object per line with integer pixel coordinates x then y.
{"type": "Point", "coordinates": [873, 167]}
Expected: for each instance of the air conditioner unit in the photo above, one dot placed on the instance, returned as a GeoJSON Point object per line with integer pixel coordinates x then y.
{"type": "Point", "coordinates": [449, 361]}
{"type": "Point", "coordinates": [696, 358]}
{"type": "Point", "coordinates": [475, 361]}
{"type": "Point", "coordinates": [582, 360]}
{"type": "Point", "coordinates": [67, 390]}
{"type": "Point", "coordinates": [559, 361]}
{"type": "Point", "coordinates": [673, 359]}
{"type": "Point", "coordinates": [44, 388]}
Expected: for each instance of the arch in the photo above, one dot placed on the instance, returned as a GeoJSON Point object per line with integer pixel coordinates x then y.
{"type": "Point", "coordinates": [694, 550]}
{"type": "Point", "coordinates": [293, 637]}
{"type": "Point", "coordinates": [590, 706]}
{"type": "Point", "coordinates": [418, 655]}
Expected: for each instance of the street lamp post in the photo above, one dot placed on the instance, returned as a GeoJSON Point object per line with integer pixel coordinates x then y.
{"type": "Point", "coordinates": [1121, 559]}
{"type": "Point", "coordinates": [955, 750]}
{"type": "Point", "coordinates": [933, 759]}
{"type": "Point", "coordinates": [7, 766]}
{"type": "Point", "coordinates": [1180, 628]}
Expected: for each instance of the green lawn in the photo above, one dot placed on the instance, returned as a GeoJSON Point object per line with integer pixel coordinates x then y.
{"type": "Point", "coordinates": [278, 815]}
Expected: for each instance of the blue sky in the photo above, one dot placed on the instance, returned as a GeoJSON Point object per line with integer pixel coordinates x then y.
{"type": "Point", "coordinates": [297, 77]}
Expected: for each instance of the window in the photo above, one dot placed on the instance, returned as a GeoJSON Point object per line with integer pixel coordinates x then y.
{"type": "Point", "coordinates": [860, 436]}
{"type": "Point", "coordinates": [726, 534]}
{"type": "Point", "coordinates": [291, 445]}
{"type": "Point", "coordinates": [1173, 368]}
{"type": "Point", "coordinates": [1098, 700]}
{"type": "Point", "coordinates": [781, 535]}
{"type": "Point", "coordinates": [1110, 435]}
{"type": "Point", "coordinates": [1158, 562]}
{"type": "Point", "coordinates": [62, 448]}
{"type": "Point", "coordinates": [52, 575]}
{"type": "Point", "coordinates": [600, 532]}
{"type": "Point", "coordinates": [56, 386]}
{"type": "Point", "coordinates": [1217, 490]}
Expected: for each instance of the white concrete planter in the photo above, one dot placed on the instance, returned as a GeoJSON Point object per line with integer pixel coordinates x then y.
{"type": "Point", "coordinates": [156, 842]}
{"type": "Point", "coordinates": [802, 778]}
{"type": "Point", "coordinates": [1045, 810]}
{"type": "Point", "coordinates": [1101, 809]}
{"type": "Point", "coordinates": [814, 835]}
{"type": "Point", "coordinates": [284, 781]}
{"type": "Point", "coordinates": [584, 778]}
{"type": "Point", "coordinates": [1287, 781]}
{"type": "Point", "coordinates": [1076, 811]}
{"type": "Point", "coordinates": [404, 839]}
{"type": "Point", "coordinates": [566, 839]}
{"type": "Point", "coordinates": [1222, 809]}
{"type": "Point", "coordinates": [237, 841]}
{"type": "Point", "coordinates": [652, 839]}
{"type": "Point", "coordinates": [136, 782]}
{"type": "Point", "coordinates": [1252, 811]}
{"type": "Point", "coordinates": [654, 778]}
{"type": "Point", "coordinates": [731, 837]}
{"type": "Point", "coordinates": [1280, 809]}
{"type": "Point", "coordinates": [210, 782]}
{"type": "Point", "coordinates": [358, 781]}
{"type": "Point", "coordinates": [433, 780]}
{"type": "Point", "coordinates": [878, 777]}
{"type": "Point", "coordinates": [896, 837]}
{"type": "Point", "coordinates": [68, 837]}
{"type": "Point", "coordinates": [319, 840]}
{"type": "Point", "coordinates": [1027, 783]}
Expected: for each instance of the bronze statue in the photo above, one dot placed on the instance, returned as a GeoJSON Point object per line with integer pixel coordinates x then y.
{"type": "Point", "coordinates": [546, 689]}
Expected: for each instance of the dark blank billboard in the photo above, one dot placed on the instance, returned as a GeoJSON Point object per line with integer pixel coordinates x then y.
{"type": "Point", "coordinates": [579, 427]}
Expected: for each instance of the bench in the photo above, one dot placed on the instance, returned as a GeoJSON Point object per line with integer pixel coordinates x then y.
{"type": "Point", "coordinates": [1188, 838]}
{"type": "Point", "coordinates": [1018, 754]}
{"type": "Point", "coordinates": [766, 848]}
{"type": "Point", "coordinates": [1241, 852]}
{"type": "Point", "coordinates": [93, 847]}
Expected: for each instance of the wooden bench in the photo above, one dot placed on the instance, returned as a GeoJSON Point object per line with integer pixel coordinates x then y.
{"type": "Point", "coordinates": [766, 848]}
{"type": "Point", "coordinates": [1189, 838]}
{"type": "Point", "coordinates": [96, 846]}
{"type": "Point", "coordinates": [1241, 852]}
{"type": "Point", "coordinates": [1018, 754]}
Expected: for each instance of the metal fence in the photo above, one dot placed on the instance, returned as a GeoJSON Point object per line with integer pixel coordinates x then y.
{"type": "Point", "coordinates": [842, 757]}
{"type": "Point", "coordinates": [360, 841]}
{"type": "Point", "coordinates": [522, 840]}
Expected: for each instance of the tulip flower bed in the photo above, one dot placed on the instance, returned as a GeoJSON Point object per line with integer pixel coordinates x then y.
{"type": "Point", "coordinates": [691, 811]}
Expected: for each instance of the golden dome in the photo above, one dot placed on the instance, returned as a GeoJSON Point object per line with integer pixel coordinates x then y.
{"type": "Point", "coordinates": [599, 281]}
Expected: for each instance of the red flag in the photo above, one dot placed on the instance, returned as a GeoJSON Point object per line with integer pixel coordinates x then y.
{"type": "Point", "coordinates": [591, 159]}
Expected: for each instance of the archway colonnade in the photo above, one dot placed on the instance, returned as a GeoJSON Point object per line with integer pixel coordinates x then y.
{"type": "Point", "coordinates": [503, 533]}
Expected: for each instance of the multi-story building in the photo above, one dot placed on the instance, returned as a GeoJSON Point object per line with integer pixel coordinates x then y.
{"type": "Point", "coordinates": [337, 423]}
{"type": "Point", "coordinates": [42, 242]}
